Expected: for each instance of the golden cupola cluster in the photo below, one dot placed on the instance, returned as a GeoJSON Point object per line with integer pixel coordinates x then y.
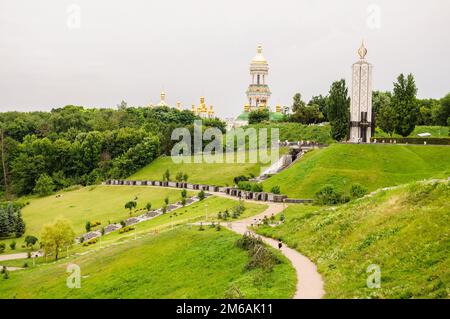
{"type": "Point", "coordinates": [202, 110]}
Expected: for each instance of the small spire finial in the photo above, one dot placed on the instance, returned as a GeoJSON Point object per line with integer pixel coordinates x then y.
{"type": "Point", "coordinates": [259, 49]}
{"type": "Point", "coordinates": [362, 51]}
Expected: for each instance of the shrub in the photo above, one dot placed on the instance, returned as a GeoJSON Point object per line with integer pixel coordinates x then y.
{"type": "Point", "coordinates": [126, 229]}
{"type": "Point", "coordinates": [357, 190]}
{"type": "Point", "coordinates": [219, 215]}
{"type": "Point", "coordinates": [257, 188]}
{"type": "Point", "coordinates": [148, 206]}
{"type": "Point", "coordinates": [91, 241]}
{"type": "Point", "coordinates": [12, 245]}
{"type": "Point", "coordinates": [261, 256]}
{"type": "Point", "coordinates": [327, 195]}
{"type": "Point", "coordinates": [183, 193]}
{"type": "Point", "coordinates": [240, 178]}
{"type": "Point", "coordinates": [2, 248]}
{"type": "Point", "coordinates": [164, 208]}
{"type": "Point", "coordinates": [183, 201]}
{"type": "Point", "coordinates": [246, 186]}
{"type": "Point", "coordinates": [25, 265]}
{"type": "Point", "coordinates": [247, 242]}
{"type": "Point", "coordinates": [282, 218]}
{"type": "Point", "coordinates": [166, 200]}
{"type": "Point", "coordinates": [88, 226]}
{"type": "Point", "coordinates": [276, 190]}
{"type": "Point", "coordinates": [218, 227]}
{"type": "Point", "coordinates": [201, 195]}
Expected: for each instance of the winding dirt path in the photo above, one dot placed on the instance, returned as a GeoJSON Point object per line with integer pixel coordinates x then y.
{"type": "Point", "coordinates": [309, 281]}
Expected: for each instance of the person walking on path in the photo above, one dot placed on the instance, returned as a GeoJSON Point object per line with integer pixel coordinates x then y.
{"type": "Point", "coordinates": [280, 244]}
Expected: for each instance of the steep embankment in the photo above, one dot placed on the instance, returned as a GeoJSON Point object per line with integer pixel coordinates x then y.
{"type": "Point", "coordinates": [404, 231]}
{"type": "Point", "coordinates": [373, 166]}
{"type": "Point", "coordinates": [182, 263]}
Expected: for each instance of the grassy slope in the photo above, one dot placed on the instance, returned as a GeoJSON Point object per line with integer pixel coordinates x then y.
{"type": "Point", "coordinates": [178, 264]}
{"type": "Point", "coordinates": [405, 231]}
{"type": "Point", "coordinates": [93, 203]}
{"type": "Point", "coordinates": [373, 166]}
{"type": "Point", "coordinates": [297, 132]}
{"type": "Point", "coordinates": [221, 174]}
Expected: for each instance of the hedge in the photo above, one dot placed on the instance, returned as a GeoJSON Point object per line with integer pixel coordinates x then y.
{"type": "Point", "coordinates": [413, 140]}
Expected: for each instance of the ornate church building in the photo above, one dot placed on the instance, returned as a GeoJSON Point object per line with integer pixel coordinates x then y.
{"type": "Point", "coordinates": [258, 92]}
{"type": "Point", "coordinates": [361, 100]}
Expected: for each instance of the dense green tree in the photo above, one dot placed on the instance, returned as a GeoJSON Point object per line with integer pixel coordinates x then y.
{"type": "Point", "coordinates": [131, 205]}
{"type": "Point", "coordinates": [305, 114]}
{"type": "Point", "coordinates": [258, 116]}
{"type": "Point", "coordinates": [44, 185]}
{"type": "Point", "coordinates": [19, 228]}
{"type": "Point", "coordinates": [321, 102]}
{"type": "Point", "coordinates": [30, 240]}
{"type": "Point", "coordinates": [443, 113]}
{"type": "Point", "coordinates": [404, 104]}
{"type": "Point", "coordinates": [338, 110]}
{"type": "Point", "coordinates": [56, 236]}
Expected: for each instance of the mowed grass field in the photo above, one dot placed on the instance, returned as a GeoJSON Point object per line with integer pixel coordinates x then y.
{"type": "Point", "coordinates": [373, 166]}
{"type": "Point", "coordinates": [205, 172]}
{"type": "Point", "coordinates": [405, 231]}
{"type": "Point", "coordinates": [183, 263]}
{"type": "Point", "coordinates": [93, 203]}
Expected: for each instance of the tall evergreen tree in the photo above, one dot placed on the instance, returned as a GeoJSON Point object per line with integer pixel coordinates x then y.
{"type": "Point", "coordinates": [20, 224]}
{"type": "Point", "coordinates": [3, 223]}
{"type": "Point", "coordinates": [404, 104]}
{"type": "Point", "coordinates": [338, 110]}
{"type": "Point", "coordinates": [11, 218]}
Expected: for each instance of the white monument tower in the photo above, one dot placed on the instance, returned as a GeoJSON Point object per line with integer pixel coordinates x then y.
{"type": "Point", "coordinates": [361, 100]}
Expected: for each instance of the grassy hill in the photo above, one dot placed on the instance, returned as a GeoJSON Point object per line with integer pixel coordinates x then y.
{"type": "Point", "coordinates": [92, 203]}
{"type": "Point", "coordinates": [404, 231]}
{"type": "Point", "coordinates": [373, 166]}
{"type": "Point", "coordinates": [297, 132]}
{"type": "Point", "coordinates": [183, 263]}
{"type": "Point", "coordinates": [221, 174]}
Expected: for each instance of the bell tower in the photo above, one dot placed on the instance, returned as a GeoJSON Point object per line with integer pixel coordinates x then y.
{"type": "Point", "coordinates": [258, 92]}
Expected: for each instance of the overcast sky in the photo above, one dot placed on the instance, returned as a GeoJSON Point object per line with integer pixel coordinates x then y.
{"type": "Point", "coordinates": [98, 52]}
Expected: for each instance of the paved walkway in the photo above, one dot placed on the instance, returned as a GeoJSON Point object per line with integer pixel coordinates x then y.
{"type": "Point", "coordinates": [309, 281]}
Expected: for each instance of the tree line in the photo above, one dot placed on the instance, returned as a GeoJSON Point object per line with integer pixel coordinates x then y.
{"type": "Point", "coordinates": [45, 151]}
{"type": "Point", "coordinates": [396, 112]}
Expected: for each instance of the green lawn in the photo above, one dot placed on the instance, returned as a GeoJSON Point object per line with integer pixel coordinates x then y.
{"type": "Point", "coordinates": [297, 132]}
{"type": "Point", "coordinates": [183, 263]}
{"type": "Point", "coordinates": [435, 131]}
{"type": "Point", "coordinates": [373, 166]}
{"type": "Point", "coordinates": [404, 231]}
{"type": "Point", "coordinates": [220, 174]}
{"type": "Point", "coordinates": [92, 203]}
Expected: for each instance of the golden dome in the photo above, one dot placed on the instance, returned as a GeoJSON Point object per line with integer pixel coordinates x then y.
{"type": "Point", "coordinates": [362, 51]}
{"type": "Point", "coordinates": [259, 58]}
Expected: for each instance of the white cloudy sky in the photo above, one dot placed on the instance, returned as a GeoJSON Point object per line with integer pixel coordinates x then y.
{"type": "Point", "coordinates": [133, 49]}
